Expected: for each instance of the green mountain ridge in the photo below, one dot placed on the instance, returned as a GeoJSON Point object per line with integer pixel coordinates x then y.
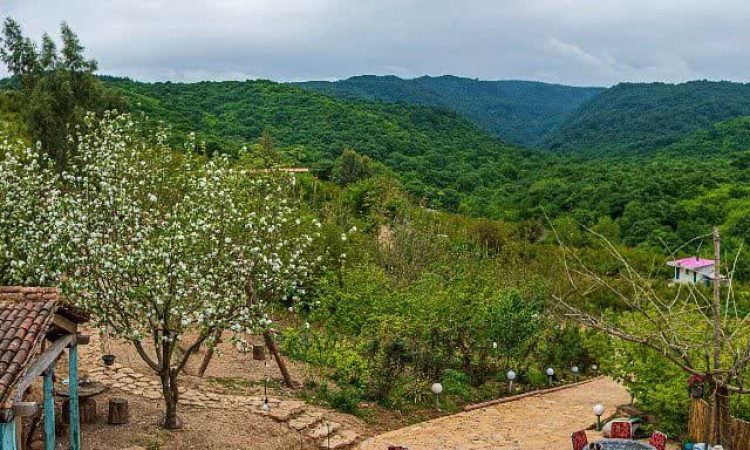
{"type": "Point", "coordinates": [436, 153]}
{"type": "Point", "coordinates": [521, 112]}
{"type": "Point", "coordinates": [644, 117]}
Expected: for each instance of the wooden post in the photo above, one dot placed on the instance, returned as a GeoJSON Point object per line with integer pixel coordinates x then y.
{"type": "Point", "coordinates": [49, 410]}
{"type": "Point", "coordinates": [8, 435]}
{"type": "Point", "coordinates": [75, 426]}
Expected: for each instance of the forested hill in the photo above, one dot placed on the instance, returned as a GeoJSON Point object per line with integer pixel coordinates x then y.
{"type": "Point", "coordinates": [516, 111]}
{"type": "Point", "coordinates": [437, 153]}
{"type": "Point", "coordinates": [641, 117]}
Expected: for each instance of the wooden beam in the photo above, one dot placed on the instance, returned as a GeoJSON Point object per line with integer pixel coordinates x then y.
{"type": "Point", "coordinates": [83, 339]}
{"type": "Point", "coordinates": [25, 409]}
{"type": "Point", "coordinates": [45, 360]}
{"type": "Point", "coordinates": [65, 324]}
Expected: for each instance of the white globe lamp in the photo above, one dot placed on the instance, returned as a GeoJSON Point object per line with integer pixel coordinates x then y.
{"type": "Point", "coordinates": [437, 389]}
{"type": "Point", "coordinates": [511, 376]}
{"type": "Point", "coordinates": [598, 412]}
{"type": "Point", "coordinates": [550, 374]}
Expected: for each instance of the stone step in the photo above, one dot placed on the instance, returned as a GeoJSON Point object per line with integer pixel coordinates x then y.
{"type": "Point", "coordinates": [323, 429]}
{"type": "Point", "coordinates": [285, 411]}
{"type": "Point", "coordinates": [339, 440]}
{"type": "Point", "coordinates": [306, 419]}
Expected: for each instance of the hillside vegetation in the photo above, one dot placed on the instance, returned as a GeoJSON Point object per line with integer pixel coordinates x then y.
{"type": "Point", "coordinates": [435, 152]}
{"type": "Point", "coordinates": [657, 197]}
{"type": "Point", "coordinates": [644, 117]}
{"type": "Point", "coordinates": [520, 112]}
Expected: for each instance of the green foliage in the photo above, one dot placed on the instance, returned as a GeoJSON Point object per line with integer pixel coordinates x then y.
{"type": "Point", "coordinates": [642, 117]}
{"type": "Point", "coordinates": [58, 89]}
{"type": "Point", "coordinates": [426, 147]}
{"type": "Point", "coordinates": [516, 111]}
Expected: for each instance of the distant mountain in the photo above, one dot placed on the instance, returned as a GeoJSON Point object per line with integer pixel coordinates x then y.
{"type": "Point", "coordinates": [520, 112]}
{"type": "Point", "coordinates": [437, 153]}
{"type": "Point", "coordinates": [648, 116]}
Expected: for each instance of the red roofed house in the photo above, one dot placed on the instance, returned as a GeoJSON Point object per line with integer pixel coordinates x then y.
{"type": "Point", "coordinates": [693, 270]}
{"type": "Point", "coordinates": [36, 327]}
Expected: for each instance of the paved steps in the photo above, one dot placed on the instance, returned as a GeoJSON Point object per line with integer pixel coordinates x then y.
{"type": "Point", "coordinates": [305, 420]}
{"type": "Point", "coordinates": [323, 429]}
{"type": "Point", "coordinates": [339, 440]}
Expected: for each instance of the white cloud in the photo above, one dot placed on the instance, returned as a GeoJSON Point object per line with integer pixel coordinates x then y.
{"type": "Point", "coordinates": [580, 42]}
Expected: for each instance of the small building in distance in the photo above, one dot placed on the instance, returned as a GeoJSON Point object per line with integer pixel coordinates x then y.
{"type": "Point", "coordinates": [693, 270]}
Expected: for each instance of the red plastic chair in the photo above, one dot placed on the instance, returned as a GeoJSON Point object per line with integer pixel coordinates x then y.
{"type": "Point", "coordinates": [621, 430]}
{"type": "Point", "coordinates": [658, 440]}
{"type": "Point", "coordinates": [580, 441]}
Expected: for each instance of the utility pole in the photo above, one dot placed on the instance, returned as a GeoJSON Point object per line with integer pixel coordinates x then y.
{"type": "Point", "coordinates": [717, 299]}
{"type": "Point", "coordinates": [720, 392]}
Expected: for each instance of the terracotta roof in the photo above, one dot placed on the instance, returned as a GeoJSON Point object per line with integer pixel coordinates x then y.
{"type": "Point", "coordinates": [25, 317]}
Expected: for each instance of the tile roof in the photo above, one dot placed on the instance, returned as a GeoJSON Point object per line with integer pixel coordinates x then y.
{"type": "Point", "coordinates": [25, 317]}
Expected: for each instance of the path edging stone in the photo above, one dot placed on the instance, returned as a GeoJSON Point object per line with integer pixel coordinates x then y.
{"type": "Point", "coordinates": [514, 398]}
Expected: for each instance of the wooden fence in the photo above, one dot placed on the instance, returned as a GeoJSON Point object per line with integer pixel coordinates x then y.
{"type": "Point", "coordinates": [697, 426]}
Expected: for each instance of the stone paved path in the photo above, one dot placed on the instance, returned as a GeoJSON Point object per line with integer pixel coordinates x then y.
{"type": "Point", "coordinates": [310, 421]}
{"type": "Point", "coordinates": [540, 422]}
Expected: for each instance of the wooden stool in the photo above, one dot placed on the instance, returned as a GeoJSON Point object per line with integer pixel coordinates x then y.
{"type": "Point", "coordinates": [86, 410]}
{"type": "Point", "coordinates": [119, 411]}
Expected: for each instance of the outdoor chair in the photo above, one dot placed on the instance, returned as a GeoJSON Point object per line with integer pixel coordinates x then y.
{"type": "Point", "coordinates": [658, 440]}
{"type": "Point", "coordinates": [580, 441]}
{"type": "Point", "coordinates": [621, 430]}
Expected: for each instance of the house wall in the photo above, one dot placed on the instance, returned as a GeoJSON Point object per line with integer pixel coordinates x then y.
{"type": "Point", "coordinates": [692, 276]}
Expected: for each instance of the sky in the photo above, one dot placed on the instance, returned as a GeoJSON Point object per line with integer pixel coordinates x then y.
{"type": "Point", "coordinates": [576, 42]}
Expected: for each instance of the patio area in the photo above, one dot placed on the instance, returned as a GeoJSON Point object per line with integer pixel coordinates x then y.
{"type": "Point", "coordinates": [540, 422]}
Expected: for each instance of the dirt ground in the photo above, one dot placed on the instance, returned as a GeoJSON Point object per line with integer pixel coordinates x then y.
{"type": "Point", "coordinates": [230, 372]}
{"type": "Point", "coordinates": [202, 429]}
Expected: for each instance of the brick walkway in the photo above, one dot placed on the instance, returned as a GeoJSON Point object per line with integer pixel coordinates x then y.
{"type": "Point", "coordinates": [539, 422]}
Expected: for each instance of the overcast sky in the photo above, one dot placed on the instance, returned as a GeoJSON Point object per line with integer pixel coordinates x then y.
{"type": "Point", "coordinates": [579, 42]}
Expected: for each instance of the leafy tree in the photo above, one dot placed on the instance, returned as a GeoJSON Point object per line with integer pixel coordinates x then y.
{"type": "Point", "coordinates": [162, 243]}
{"type": "Point", "coordinates": [352, 168]}
{"type": "Point", "coordinates": [59, 87]}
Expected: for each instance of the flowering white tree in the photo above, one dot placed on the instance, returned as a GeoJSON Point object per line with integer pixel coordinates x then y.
{"type": "Point", "coordinates": [29, 215]}
{"type": "Point", "coordinates": [163, 243]}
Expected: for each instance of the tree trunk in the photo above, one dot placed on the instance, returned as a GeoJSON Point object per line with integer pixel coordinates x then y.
{"type": "Point", "coordinates": [721, 432]}
{"type": "Point", "coordinates": [171, 397]}
{"type": "Point", "coordinates": [209, 354]}
{"type": "Point", "coordinates": [277, 357]}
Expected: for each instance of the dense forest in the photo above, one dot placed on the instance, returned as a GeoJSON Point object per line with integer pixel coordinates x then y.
{"type": "Point", "coordinates": [658, 198]}
{"type": "Point", "coordinates": [642, 117]}
{"type": "Point", "coordinates": [437, 153]}
{"type": "Point", "coordinates": [519, 112]}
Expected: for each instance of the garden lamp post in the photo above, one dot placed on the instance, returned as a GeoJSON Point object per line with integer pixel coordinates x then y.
{"type": "Point", "coordinates": [511, 377]}
{"type": "Point", "coordinates": [574, 369]}
{"type": "Point", "coordinates": [598, 411]}
{"type": "Point", "coordinates": [437, 389]}
{"type": "Point", "coordinates": [265, 394]}
{"type": "Point", "coordinates": [595, 368]}
{"type": "Point", "coordinates": [550, 374]}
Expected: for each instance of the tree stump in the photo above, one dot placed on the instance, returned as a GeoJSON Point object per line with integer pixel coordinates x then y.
{"type": "Point", "coordinates": [259, 353]}
{"type": "Point", "coordinates": [86, 410]}
{"type": "Point", "coordinates": [119, 411]}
